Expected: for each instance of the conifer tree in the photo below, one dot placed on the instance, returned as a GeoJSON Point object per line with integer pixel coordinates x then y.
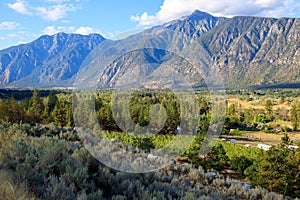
{"type": "Point", "coordinates": [269, 107]}
{"type": "Point", "coordinates": [36, 106]}
{"type": "Point", "coordinates": [295, 115]}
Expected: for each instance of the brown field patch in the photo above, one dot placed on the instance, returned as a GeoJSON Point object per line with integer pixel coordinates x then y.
{"type": "Point", "coordinates": [255, 138]}
{"type": "Point", "coordinates": [257, 105]}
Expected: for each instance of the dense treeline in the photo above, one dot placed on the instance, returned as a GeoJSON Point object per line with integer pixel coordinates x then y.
{"type": "Point", "coordinates": [20, 95]}
{"type": "Point", "coordinates": [38, 110]}
{"type": "Point", "coordinates": [57, 109]}
{"type": "Point", "coordinates": [164, 107]}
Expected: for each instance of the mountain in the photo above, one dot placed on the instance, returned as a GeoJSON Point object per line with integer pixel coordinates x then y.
{"type": "Point", "coordinates": [251, 51]}
{"type": "Point", "coordinates": [200, 48]}
{"type": "Point", "coordinates": [46, 61]}
{"type": "Point", "coordinates": [157, 56]}
{"type": "Point", "coordinates": [241, 51]}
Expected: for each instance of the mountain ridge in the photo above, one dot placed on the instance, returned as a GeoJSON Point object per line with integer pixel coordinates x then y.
{"type": "Point", "coordinates": [41, 57]}
{"type": "Point", "coordinates": [245, 51]}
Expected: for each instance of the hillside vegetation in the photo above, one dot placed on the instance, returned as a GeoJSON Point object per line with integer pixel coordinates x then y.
{"type": "Point", "coordinates": [42, 156]}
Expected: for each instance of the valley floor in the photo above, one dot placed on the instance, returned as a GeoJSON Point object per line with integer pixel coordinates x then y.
{"type": "Point", "coordinates": [255, 138]}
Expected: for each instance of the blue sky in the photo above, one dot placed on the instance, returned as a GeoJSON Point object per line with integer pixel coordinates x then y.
{"type": "Point", "coordinates": [22, 21]}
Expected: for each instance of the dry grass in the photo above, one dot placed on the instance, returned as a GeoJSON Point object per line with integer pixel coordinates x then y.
{"type": "Point", "coordinates": [257, 105]}
{"type": "Point", "coordinates": [244, 104]}
{"type": "Point", "coordinates": [256, 138]}
{"type": "Point", "coordinates": [11, 191]}
{"type": "Point", "coordinates": [280, 123]}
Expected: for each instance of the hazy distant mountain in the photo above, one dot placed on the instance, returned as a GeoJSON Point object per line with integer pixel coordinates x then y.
{"type": "Point", "coordinates": [246, 51]}
{"type": "Point", "coordinates": [45, 61]}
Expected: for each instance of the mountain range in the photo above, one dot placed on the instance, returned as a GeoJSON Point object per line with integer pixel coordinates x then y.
{"type": "Point", "coordinates": [47, 61]}
{"type": "Point", "coordinates": [244, 51]}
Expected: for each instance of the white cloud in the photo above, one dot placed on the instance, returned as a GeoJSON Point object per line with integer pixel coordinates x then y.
{"type": "Point", "coordinates": [62, 1]}
{"type": "Point", "coordinates": [56, 12]}
{"type": "Point", "coordinates": [51, 10]}
{"type": "Point", "coordinates": [9, 25]}
{"type": "Point", "coordinates": [50, 30]}
{"type": "Point", "coordinates": [15, 38]}
{"type": "Point", "coordinates": [267, 3]}
{"type": "Point", "coordinates": [58, 1]}
{"type": "Point", "coordinates": [20, 6]}
{"type": "Point", "coordinates": [65, 21]}
{"type": "Point", "coordinates": [12, 35]}
{"type": "Point", "coordinates": [84, 30]}
{"type": "Point", "coordinates": [173, 9]}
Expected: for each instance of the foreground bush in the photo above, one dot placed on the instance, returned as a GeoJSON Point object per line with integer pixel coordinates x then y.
{"type": "Point", "coordinates": [54, 168]}
{"type": "Point", "coordinates": [12, 190]}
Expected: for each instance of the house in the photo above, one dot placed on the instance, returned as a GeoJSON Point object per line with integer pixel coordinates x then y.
{"type": "Point", "coordinates": [264, 147]}
{"type": "Point", "coordinates": [232, 141]}
{"type": "Point", "coordinates": [152, 156]}
{"type": "Point", "coordinates": [211, 175]}
{"type": "Point", "coordinates": [178, 129]}
{"type": "Point", "coordinates": [244, 184]}
{"type": "Point", "coordinates": [292, 147]}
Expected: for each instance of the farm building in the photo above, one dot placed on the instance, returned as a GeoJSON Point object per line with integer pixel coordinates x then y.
{"type": "Point", "coordinates": [265, 147]}
{"type": "Point", "coordinates": [246, 185]}
{"type": "Point", "coordinates": [232, 141]}
{"type": "Point", "coordinates": [152, 156]}
{"type": "Point", "coordinates": [292, 147]}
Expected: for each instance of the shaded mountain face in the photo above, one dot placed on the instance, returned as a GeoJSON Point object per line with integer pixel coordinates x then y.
{"type": "Point", "coordinates": [45, 61]}
{"type": "Point", "coordinates": [242, 51]}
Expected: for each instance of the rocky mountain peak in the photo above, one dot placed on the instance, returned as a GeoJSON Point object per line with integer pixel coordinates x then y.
{"type": "Point", "coordinates": [197, 14]}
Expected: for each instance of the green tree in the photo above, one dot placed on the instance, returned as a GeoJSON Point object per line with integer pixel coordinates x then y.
{"type": "Point", "coordinates": [221, 153]}
{"type": "Point", "coordinates": [271, 170]}
{"type": "Point", "coordinates": [278, 170]}
{"type": "Point", "coordinates": [11, 111]}
{"type": "Point", "coordinates": [248, 116]}
{"type": "Point", "coordinates": [295, 115]}
{"type": "Point", "coordinates": [69, 115]}
{"type": "Point", "coordinates": [50, 104]}
{"type": "Point", "coordinates": [52, 101]}
{"type": "Point", "coordinates": [285, 140]}
{"type": "Point", "coordinates": [36, 106]}
{"type": "Point", "coordinates": [231, 110]}
{"type": "Point", "coordinates": [59, 115]}
{"type": "Point", "coordinates": [15, 113]}
{"type": "Point", "coordinates": [240, 163]}
{"type": "Point", "coordinates": [106, 119]}
{"type": "Point", "coordinates": [294, 162]}
{"type": "Point", "coordinates": [269, 107]}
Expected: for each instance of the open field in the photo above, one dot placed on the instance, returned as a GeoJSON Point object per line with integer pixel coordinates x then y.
{"type": "Point", "coordinates": [257, 104]}
{"type": "Point", "coordinates": [255, 138]}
